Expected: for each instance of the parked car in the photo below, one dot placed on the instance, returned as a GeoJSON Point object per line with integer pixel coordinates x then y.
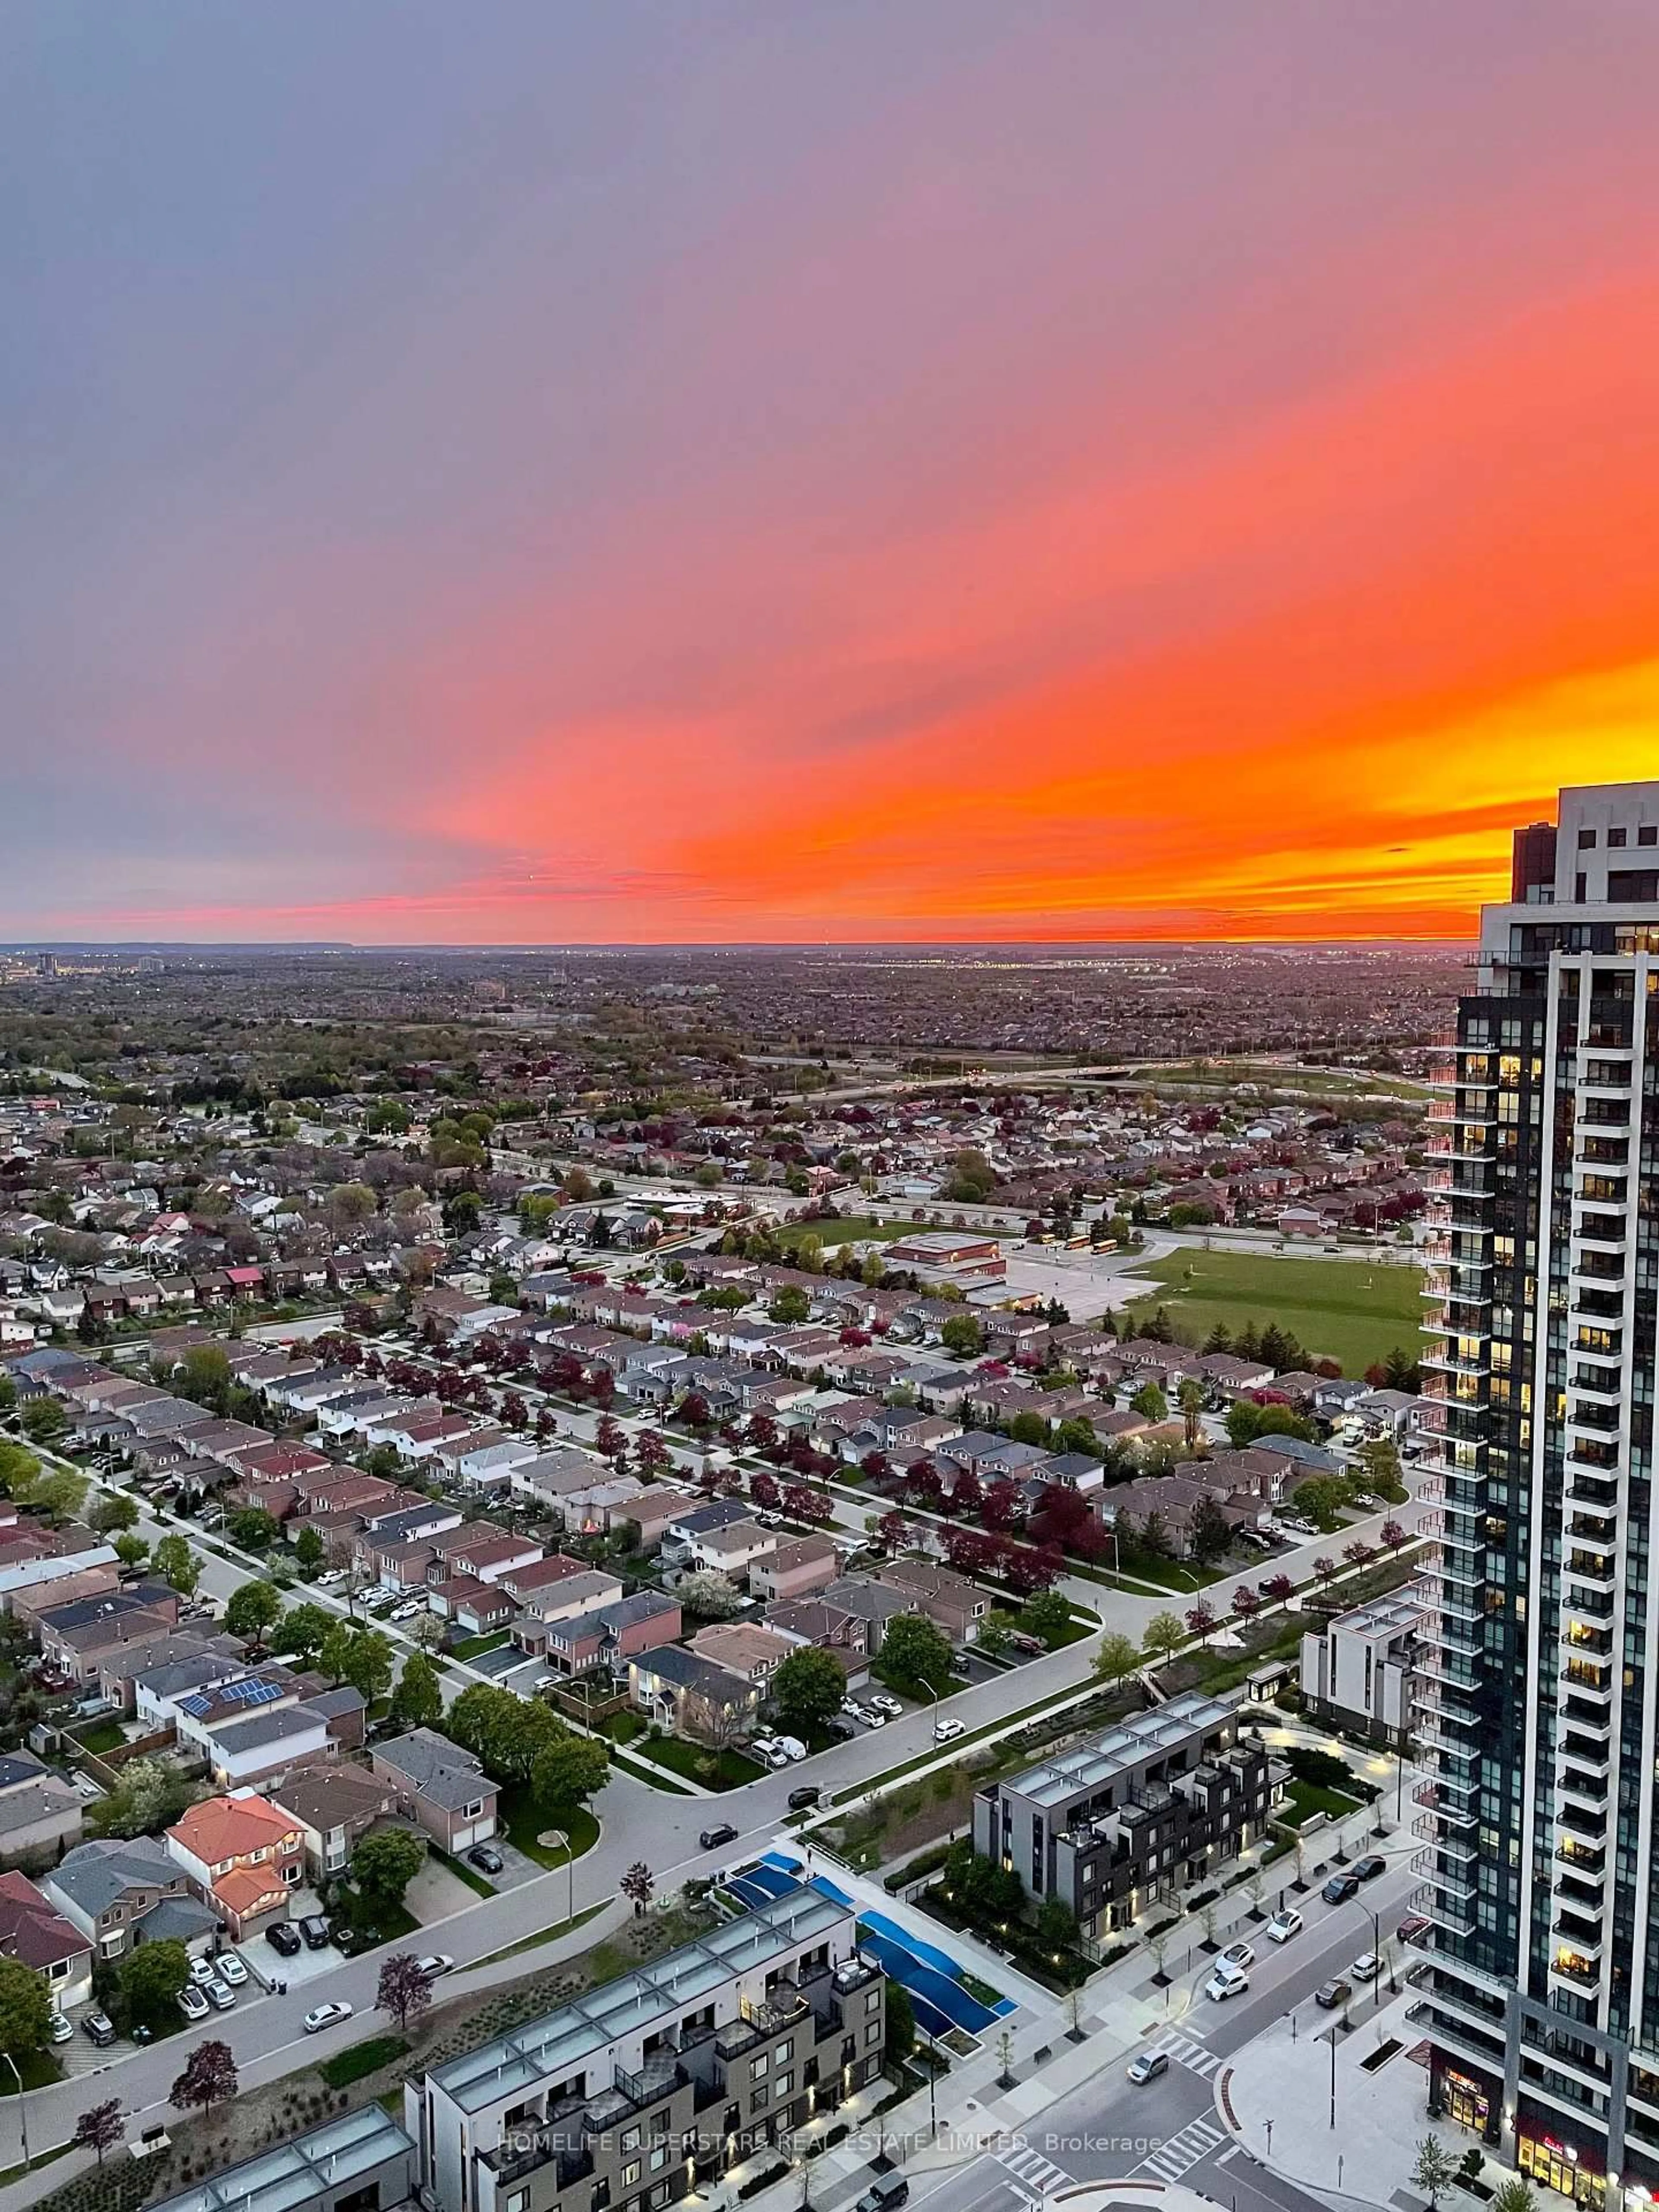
{"type": "Point", "coordinates": [1414, 1928]}
{"type": "Point", "coordinates": [1366, 1967]}
{"type": "Point", "coordinates": [219, 1995]}
{"type": "Point", "coordinates": [486, 1859]}
{"type": "Point", "coordinates": [1285, 1924]}
{"type": "Point", "coordinates": [712, 1838]}
{"type": "Point", "coordinates": [1147, 2065]}
{"type": "Point", "coordinates": [886, 2193]}
{"type": "Point", "coordinates": [59, 2029]}
{"type": "Point", "coordinates": [1239, 1954]}
{"type": "Point", "coordinates": [99, 2028]}
{"type": "Point", "coordinates": [1368, 1867]}
{"type": "Point", "coordinates": [1339, 1889]}
{"type": "Point", "coordinates": [201, 1972]}
{"type": "Point", "coordinates": [947, 1730]}
{"type": "Point", "coordinates": [192, 2003]}
{"type": "Point", "coordinates": [1329, 1995]}
{"type": "Point", "coordinates": [791, 1747]}
{"type": "Point", "coordinates": [883, 1704]}
{"type": "Point", "coordinates": [326, 2016]}
{"type": "Point", "coordinates": [436, 1964]}
{"type": "Point", "coordinates": [874, 1718]}
{"type": "Point", "coordinates": [283, 1938]}
{"type": "Point", "coordinates": [1226, 1981]}
{"type": "Point", "coordinates": [313, 1929]}
{"type": "Point", "coordinates": [806, 1795]}
{"type": "Point", "coordinates": [231, 1969]}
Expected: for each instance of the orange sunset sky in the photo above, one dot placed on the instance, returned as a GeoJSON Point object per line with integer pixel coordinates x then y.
{"type": "Point", "coordinates": [899, 468]}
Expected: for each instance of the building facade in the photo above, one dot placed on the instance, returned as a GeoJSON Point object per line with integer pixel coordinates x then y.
{"type": "Point", "coordinates": [1356, 1670]}
{"type": "Point", "coordinates": [1154, 1804]}
{"type": "Point", "coordinates": [634, 2095]}
{"type": "Point", "coordinates": [1537, 1693]}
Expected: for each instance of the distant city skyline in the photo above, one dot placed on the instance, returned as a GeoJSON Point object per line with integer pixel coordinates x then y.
{"type": "Point", "coordinates": [943, 473]}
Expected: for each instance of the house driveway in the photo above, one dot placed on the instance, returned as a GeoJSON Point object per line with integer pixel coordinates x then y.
{"type": "Point", "coordinates": [435, 1891]}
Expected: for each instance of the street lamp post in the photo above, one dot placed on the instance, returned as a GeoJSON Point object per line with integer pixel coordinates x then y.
{"type": "Point", "coordinates": [23, 2107]}
{"type": "Point", "coordinates": [570, 1872]}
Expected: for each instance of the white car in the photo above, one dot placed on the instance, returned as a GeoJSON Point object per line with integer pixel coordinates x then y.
{"type": "Point", "coordinates": [434, 1964]}
{"type": "Point", "coordinates": [874, 1718]}
{"type": "Point", "coordinates": [201, 1972]}
{"type": "Point", "coordinates": [947, 1731]}
{"type": "Point", "coordinates": [218, 1996]}
{"type": "Point", "coordinates": [1284, 1925]}
{"type": "Point", "coordinates": [326, 2016]}
{"type": "Point", "coordinates": [1239, 1954]}
{"type": "Point", "coordinates": [777, 1757]}
{"type": "Point", "coordinates": [1227, 1981]}
{"type": "Point", "coordinates": [762, 1746]}
{"type": "Point", "coordinates": [60, 2029]}
{"type": "Point", "coordinates": [192, 2003]}
{"type": "Point", "coordinates": [883, 1704]}
{"type": "Point", "coordinates": [1366, 1967]}
{"type": "Point", "coordinates": [231, 1969]}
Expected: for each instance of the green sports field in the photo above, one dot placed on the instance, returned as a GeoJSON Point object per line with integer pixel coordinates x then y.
{"type": "Point", "coordinates": [1352, 1311]}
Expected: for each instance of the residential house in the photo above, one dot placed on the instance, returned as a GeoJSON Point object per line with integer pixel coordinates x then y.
{"type": "Point", "coordinates": [335, 1809]}
{"type": "Point", "coordinates": [242, 1856]}
{"type": "Point", "coordinates": [947, 1598]}
{"type": "Point", "coordinates": [34, 1933]}
{"type": "Point", "coordinates": [799, 1567]}
{"type": "Point", "coordinates": [40, 1814]}
{"type": "Point", "coordinates": [120, 1894]}
{"type": "Point", "coordinates": [442, 1788]}
{"type": "Point", "coordinates": [693, 1697]}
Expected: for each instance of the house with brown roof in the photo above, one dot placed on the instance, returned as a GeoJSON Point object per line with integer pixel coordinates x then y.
{"type": "Point", "coordinates": [799, 1567]}
{"type": "Point", "coordinates": [242, 1855]}
{"type": "Point", "coordinates": [34, 1933]}
{"type": "Point", "coordinates": [950, 1598]}
{"type": "Point", "coordinates": [335, 1808]}
{"type": "Point", "coordinates": [744, 1647]}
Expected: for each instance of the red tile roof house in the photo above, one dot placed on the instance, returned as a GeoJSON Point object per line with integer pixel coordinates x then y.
{"type": "Point", "coordinates": [243, 1856]}
{"type": "Point", "coordinates": [35, 1934]}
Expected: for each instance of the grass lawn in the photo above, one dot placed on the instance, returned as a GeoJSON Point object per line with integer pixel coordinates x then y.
{"type": "Point", "coordinates": [716, 1769]}
{"type": "Point", "coordinates": [1303, 1800]}
{"type": "Point", "coordinates": [474, 1881]}
{"type": "Point", "coordinates": [39, 2071]}
{"type": "Point", "coordinates": [107, 1735]}
{"type": "Point", "coordinates": [523, 1822]}
{"type": "Point", "coordinates": [1354, 1311]}
{"type": "Point", "coordinates": [852, 1229]}
{"type": "Point", "coordinates": [542, 1935]}
{"type": "Point", "coordinates": [359, 2060]}
{"type": "Point", "coordinates": [472, 1646]}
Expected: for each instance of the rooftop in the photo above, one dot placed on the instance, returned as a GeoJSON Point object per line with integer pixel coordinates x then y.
{"type": "Point", "coordinates": [1120, 1750]}
{"type": "Point", "coordinates": [311, 2167]}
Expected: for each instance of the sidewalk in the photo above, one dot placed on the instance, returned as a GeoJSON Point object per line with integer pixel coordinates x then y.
{"type": "Point", "coordinates": [1278, 2096]}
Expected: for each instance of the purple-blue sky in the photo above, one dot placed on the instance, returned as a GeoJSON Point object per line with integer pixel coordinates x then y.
{"type": "Point", "coordinates": [817, 468]}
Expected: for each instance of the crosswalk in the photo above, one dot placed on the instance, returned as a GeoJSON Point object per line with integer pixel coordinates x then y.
{"type": "Point", "coordinates": [1185, 2052]}
{"type": "Point", "coordinates": [1033, 2171]}
{"type": "Point", "coordinates": [1182, 2152]}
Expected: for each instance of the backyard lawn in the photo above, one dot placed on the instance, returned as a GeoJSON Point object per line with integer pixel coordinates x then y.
{"type": "Point", "coordinates": [523, 1822]}
{"type": "Point", "coordinates": [1354, 1311]}
{"type": "Point", "coordinates": [716, 1769]}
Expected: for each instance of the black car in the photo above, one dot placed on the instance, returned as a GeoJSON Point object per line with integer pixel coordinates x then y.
{"type": "Point", "coordinates": [1368, 1868]}
{"type": "Point", "coordinates": [712, 1838]}
{"type": "Point", "coordinates": [281, 1938]}
{"type": "Point", "coordinates": [314, 1930]}
{"type": "Point", "coordinates": [486, 1859]}
{"type": "Point", "coordinates": [808, 1794]}
{"type": "Point", "coordinates": [1339, 1889]}
{"type": "Point", "coordinates": [101, 2028]}
{"type": "Point", "coordinates": [1333, 1993]}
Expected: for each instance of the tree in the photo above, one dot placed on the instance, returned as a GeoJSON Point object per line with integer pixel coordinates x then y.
{"type": "Point", "coordinates": [1435, 2170]}
{"type": "Point", "coordinates": [19, 1471]}
{"type": "Point", "coordinates": [791, 1304]}
{"type": "Point", "coordinates": [1245, 1603]}
{"type": "Point", "coordinates": [637, 1885]}
{"type": "Point", "coordinates": [132, 1551]}
{"type": "Point", "coordinates": [569, 1769]}
{"type": "Point", "coordinates": [1150, 1402]}
{"type": "Point", "coordinates": [1162, 1636]}
{"type": "Point", "coordinates": [1117, 1658]}
{"type": "Point", "coordinates": [43, 1421]}
{"type": "Point", "coordinates": [1190, 1397]}
{"type": "Point", "coordinates": [807, 1689]}
{"type": "Point", "coordinates": [900, 2022]}
{"type": "Point", "coordinates": [384, 1863]}
{"type": "Point", "coordinates": [1047, 1615]}
{"type": "Point", "coordinates": [1381, 1475]}
{"type": "Point", "coordinates": [251, 1529]}
{"type": "Point", "coordinates": [1513, 2195]}
{"type": "Point", "coordinates": [710, 1594]}
{"type": "Point", "coordinates": [101, 2127]}
{"type": "Point", "coordinates": [252, 1610]}
{"type": "Point", "coordinates": [1208, 1532]}
{"type": "Point", "coordinates": [1321, 1498]}
{"type": "Point", "coordinates": [1392, 1537]}
{"type": "Point", "coordinates": [915, 1654]}
{"type": "Point", "coordinates": [25, 2009]}
{"type": "Point", "coordinates": [1325, 1569]}
{"type": "Point", "coordinates": [1056, 1926]}
{"type": "Point", "coordinates": [963, 1335]}
{"type": "Point", "coordinates": [403, 1989]}
{"type": "Point", "coordinates": [1201, 1621]}
{"type": "Point", "coordinates": [177, 1564]}
{"type": "Point", "coordinates": [148, 1797]}
{"type": "Point", "coordinates": [334, 1653]}
{"type": "Point", "coordinates": [111, 1514]}
{"type": "Point", "coordinates": [418, 1701]}
{"type": "Point", "coordinates": [60, 1493]}
{"type": "Point", "coordinates": [302, 1633]}
{"type": "Point", "coordinates": [210, 2076]}
{"type": "Point", "coordinates": [151, 1977]}
{"type": "Point", "coordinates": [309, 1549]}
{"type": "Point", "coordinates": [369, 1663]}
